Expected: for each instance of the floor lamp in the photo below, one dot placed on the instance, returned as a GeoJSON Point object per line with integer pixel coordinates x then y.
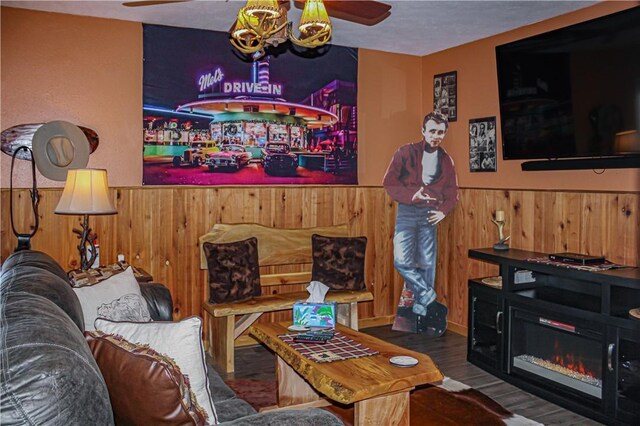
{"type": "Point", "coordinates": [86, 192]}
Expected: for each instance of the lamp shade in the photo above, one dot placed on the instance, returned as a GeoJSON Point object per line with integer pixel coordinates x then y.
{"type": "Point", "coordinates": [259, 8]}
{"type": "Point", "coordinates": [86, 192]}
{"type": "Point", "coordinates": [314, 17]}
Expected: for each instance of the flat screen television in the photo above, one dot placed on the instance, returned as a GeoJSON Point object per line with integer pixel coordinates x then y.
{"type": "Point", "coordinates": [572, 92]}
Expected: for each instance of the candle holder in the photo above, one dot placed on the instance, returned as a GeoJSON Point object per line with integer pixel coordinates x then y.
{"type": "Point", "coordinates": [499, 221]}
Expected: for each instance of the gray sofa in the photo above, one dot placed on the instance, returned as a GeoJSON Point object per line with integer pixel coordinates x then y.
{"type": "Point", "coordinates": [48, 374]}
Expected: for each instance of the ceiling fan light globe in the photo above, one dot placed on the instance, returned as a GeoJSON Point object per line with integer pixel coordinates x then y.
{"type": "Point", "coordinates": [263, 8]}
{"type": "Point", "coordinates": [243, 24]}
{"type": "Point", "coordinates": [312, 28]}
{"type": "Point", "coordinates": [314, 13]}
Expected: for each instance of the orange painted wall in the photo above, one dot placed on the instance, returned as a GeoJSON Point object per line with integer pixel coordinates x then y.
{"type": "Point", "coordinates": [83, 70]}
{"type": "Point", "coordinates": [389, 106]}
{"type": "Point", "coordinates": [89, 71]}
{"type": "Point", "coordinates": [478, 97]}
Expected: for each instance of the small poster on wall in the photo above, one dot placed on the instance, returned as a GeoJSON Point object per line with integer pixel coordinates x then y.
{"type": "Point", "coordinates": [482, 144]}
{"type": "Point", "coordinates": [445, 94]}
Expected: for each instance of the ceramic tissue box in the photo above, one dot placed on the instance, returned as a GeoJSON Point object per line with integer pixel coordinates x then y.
{"type": "Point", "coordinates": [310, 314]}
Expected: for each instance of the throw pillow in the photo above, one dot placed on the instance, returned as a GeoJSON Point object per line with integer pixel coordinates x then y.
{"type": "Point", "coordinates": [234, 273]}
{"type": "Point", "coordinates": [145, 387]}
{"type": "Point", "coordinates": [338, 262]}
{"type": "Point", "coordinates": [180, 340]}
{"type": "Point", "coordinates": [117, 298]}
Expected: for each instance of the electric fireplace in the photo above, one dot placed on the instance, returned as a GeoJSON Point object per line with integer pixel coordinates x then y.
{"type": "Point", "coordinates": [560, 354]}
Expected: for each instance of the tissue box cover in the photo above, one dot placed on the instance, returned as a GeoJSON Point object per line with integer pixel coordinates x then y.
{"type": "Point", "coordinates": [314, 314]}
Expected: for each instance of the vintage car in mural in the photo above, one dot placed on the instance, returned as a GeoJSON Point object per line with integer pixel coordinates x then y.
{"type": "Point", "coordinates": [197, 154]}
{"type": "Point", "coordinates": [279, 160]}
{"type": "Point", "coordinates": [229, 157]}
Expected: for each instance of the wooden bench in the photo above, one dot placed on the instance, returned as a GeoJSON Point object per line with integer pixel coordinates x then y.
{"type": "Point", "coordinates": [276, 248]}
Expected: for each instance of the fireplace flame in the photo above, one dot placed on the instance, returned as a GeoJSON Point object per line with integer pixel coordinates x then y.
{"type": "Point", "coordinates": [569, 361]}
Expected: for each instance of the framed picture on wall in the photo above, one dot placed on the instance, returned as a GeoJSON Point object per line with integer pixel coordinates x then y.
{"type": "Point", "coordinates": [445, 94]}
{"type": "Point", "coordinates": [482, 144]}
{"type": "Point", "coordinates": [212, 118]}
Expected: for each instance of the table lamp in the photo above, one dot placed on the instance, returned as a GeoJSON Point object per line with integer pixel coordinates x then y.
{"type": "Point", "coordinates": [86, 192]}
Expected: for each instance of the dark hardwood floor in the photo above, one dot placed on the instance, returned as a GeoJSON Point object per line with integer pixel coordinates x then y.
{"type": "Point", "coordinates": [449, 352]}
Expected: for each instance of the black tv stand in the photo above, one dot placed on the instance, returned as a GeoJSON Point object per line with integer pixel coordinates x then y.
{"type": "Point", "coordinates": [623, 162]}
{"type": "Point", "coordinates": [525, 327]}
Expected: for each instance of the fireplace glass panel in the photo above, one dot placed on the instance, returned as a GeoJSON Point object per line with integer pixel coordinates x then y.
{"type": "Point", "coordinates": [561, 353]}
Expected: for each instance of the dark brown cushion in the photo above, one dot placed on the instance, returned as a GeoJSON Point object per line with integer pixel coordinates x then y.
{"type": "Point", "coordinates": [234, 273]}
{"type": "Point", "coordinates": [145, 387]}
{"type": "Point", "coordinates": [338, 262]}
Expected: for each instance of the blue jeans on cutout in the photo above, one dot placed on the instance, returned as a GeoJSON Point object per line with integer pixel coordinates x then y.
{"type": "Point", "coordinates": [414, 254]}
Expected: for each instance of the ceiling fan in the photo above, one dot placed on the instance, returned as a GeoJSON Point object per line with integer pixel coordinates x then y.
{"type": "Point", "coordinates": [364, 12]}
{"type": "Point", "coordinates": [262, 24]}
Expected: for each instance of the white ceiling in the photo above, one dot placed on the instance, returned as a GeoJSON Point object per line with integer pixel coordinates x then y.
{"type": "Point", "coordinates": [414, 27]}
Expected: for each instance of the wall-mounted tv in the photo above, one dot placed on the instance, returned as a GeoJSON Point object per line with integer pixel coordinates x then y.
{"type": "Point", "coordinates": [572, 92]}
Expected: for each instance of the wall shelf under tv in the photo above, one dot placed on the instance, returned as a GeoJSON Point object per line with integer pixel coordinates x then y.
{"type": "Point", "coordinates": [626, 162]}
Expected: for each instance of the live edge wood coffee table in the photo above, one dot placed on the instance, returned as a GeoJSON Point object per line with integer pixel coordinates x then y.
{"type": "Point", "coordinates": [379, 390]}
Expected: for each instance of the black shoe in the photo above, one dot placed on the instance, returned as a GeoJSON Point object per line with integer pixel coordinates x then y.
{"type": "Point", "coordinates": [435, 322]}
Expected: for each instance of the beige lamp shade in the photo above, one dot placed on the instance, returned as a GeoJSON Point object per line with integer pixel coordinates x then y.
{"type": "Point", "coordinates": [86, 192]}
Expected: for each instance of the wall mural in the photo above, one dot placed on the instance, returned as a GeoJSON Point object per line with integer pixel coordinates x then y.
{"type": "Point", "coordinates": [214, 118]}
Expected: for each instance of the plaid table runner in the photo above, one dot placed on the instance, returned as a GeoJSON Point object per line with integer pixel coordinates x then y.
{"type": "Point", "coordinates": [338, 348]}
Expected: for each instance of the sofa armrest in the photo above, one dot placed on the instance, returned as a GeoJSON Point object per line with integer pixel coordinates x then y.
{"type": "Point", "coordinates": [159, 301]}
{"type": "Point", "coordinates": [306, 417]}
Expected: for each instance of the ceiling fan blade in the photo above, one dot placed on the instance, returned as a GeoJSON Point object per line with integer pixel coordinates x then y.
{"type": "Point", "coordinates": [365, 12]}
{"type": "Point", "coordinates": [151, 2]}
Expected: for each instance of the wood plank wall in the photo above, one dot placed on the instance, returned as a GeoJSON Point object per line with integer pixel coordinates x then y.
{"type": "Point", "coordinates": [157, 228]}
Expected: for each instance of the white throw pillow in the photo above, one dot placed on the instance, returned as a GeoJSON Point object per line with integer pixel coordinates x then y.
{"type": "Point", "coordinates": [117, 298]}
{"type": "Point", "coordinates": [180, 340]}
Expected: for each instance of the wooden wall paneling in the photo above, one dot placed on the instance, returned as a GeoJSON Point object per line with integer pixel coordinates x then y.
{"type": "Point", "coordinates": [159, 224]}
{"type": "Point", "coordinates": [446, 276]}
{"type": "Point", "coordinates": [538, 213]}
{"type": "Point", "coordinates": [594, 206]}
{"type": "Point", "coordinates": [523, 219]}
{"type": "Point", "coordinates": [627, 237]}
{"type": "Point", "coordinates": [620, 227]}
{"type": "Point", "coordinates": [56, 231]}
{"type": "Point", "coordinates": [312, 202]}
{"type": "Point", "coordinates": [23, 220]}
{"type": "Point", "coordinates": [465, 221]}
{"type": "Point", "coordinates": [285, 209]}
{"type": "Point", "coordinates": [385, 283]}
{"type": "Point", "coordinates": [362, 224]}
{"type": "Point", "coordinates": [558, 222]}
{"type": "Point", "coordinates": [250, 205]}
{"type": "Point", "coordinates": [548, 226]}
{"type": "Point", "coordinates": [457, 274]}
{"type": "Point", "coordinates": [124, 223]}
{"type": "Point", "coordinates": [265, 212]}
{"type": "Point", "coordinates": [184, 243]}
{"type": "Point", "coordinates": [570, 220]}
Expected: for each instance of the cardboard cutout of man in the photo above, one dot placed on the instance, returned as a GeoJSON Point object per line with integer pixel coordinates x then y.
{"type": "Point", "coordinates": [422, 179]}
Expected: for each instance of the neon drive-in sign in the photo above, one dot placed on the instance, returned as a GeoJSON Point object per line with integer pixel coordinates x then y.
{"type": "Point", "coordinates": [208, 80]}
